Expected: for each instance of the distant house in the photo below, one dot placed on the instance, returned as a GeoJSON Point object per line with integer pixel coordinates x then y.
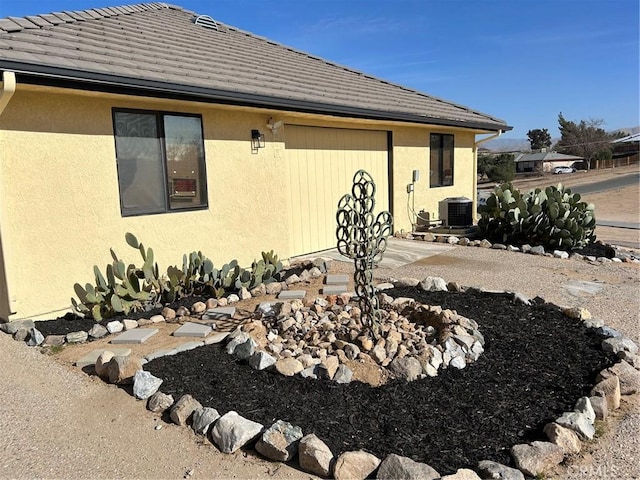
{"type": "Point", "coordinates": [626, 150]}
{"type": "Point", "coordinates": [545, 162]}
{"type": "Point", "coordinates": [195, 135]}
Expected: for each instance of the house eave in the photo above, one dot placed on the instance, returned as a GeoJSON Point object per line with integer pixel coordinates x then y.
{"type": "Point", "coordinates": [104, 82]}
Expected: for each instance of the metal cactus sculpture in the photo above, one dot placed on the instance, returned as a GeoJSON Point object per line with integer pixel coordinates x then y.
{"type": "Point", "coordinates": [363, 238]}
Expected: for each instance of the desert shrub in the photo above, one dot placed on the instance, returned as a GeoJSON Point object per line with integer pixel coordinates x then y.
{"type": "Point", "coordinates": [130, 288]}
{"type": "Point", "coordinates": [554, 218]}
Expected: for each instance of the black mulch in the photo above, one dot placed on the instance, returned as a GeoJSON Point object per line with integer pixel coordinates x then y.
{"type": "Point", "coordinates": [537, 363]}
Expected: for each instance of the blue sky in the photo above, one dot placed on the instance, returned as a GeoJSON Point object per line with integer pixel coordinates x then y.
{"type": "Point", "coordinates": [520, 60]}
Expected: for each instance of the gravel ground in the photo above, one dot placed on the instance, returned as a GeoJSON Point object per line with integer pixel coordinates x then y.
{"type": "Point", "coordinates": [60, 423]}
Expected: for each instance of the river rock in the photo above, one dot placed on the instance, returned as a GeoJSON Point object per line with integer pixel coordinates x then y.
{"type": "Point", "coordinates": [496, 471]}
{"type": "Point", "coordinates": [159, 402]}
{"type": "Point", "coordinates": [280, 441]}
{"type": "Point", "coordinates": [232, 431]}
{"type": "Point", "coordinates": [355, 465]}
{"type": "Point", "coordinates": [183, 409]}
{"type": "Point", "coordinates": [314, 456]}
{"type": "Point", "coordinates": [537, 458]}
{"type": "Point", "coordinates": [397, 467]}
{"type": "Point", "coordinates": [145, 384]}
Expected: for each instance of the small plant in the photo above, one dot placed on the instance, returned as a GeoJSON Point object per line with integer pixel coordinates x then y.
{"type": "Point", "coordinates": [125, 289]}
{"type": "Point", "coordinates": [554, 217]}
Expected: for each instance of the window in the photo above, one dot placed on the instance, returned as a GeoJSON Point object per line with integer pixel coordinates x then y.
{"type": "Point", "coordinates": [160, 159]}
{"type": "Point", "coordinates": [441, 161]}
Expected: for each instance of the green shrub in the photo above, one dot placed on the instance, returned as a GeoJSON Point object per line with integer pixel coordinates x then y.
{"type": "Point", "coordinates": [554, 218]}
{"type": "Point", "coordinates": [131, 288]}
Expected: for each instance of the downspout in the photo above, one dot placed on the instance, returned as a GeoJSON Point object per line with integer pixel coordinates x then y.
{"type": "Point", "coordinates": [475, 169]}
{"type": "Point", "coordinates": [6, 93]}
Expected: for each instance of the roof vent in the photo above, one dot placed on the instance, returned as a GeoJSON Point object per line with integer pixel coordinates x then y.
{"type": "Point", "coordinates": [207, 22]}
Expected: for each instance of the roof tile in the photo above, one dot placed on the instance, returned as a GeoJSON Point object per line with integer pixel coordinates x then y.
{"type": "Point", "coordinates": [156, 42]}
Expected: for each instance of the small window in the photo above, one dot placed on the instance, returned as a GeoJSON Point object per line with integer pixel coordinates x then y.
{"type": "Point", "coordinates": [160, 159]}
{"type": "Point", "coordinates": [441, 160]}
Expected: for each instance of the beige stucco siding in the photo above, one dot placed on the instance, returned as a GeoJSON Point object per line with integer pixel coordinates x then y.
{"type": "Point", "coordinates": [61, 208]}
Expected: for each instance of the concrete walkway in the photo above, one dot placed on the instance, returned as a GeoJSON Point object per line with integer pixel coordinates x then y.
{"type": "Point", "coordinates": [610, 223]}
{"type": "Point", "coordinates": [397, 254]}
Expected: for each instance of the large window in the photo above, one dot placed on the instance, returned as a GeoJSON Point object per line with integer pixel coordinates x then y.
{"type": "Point", "coordinates": [160, 158]}
{"type": "Point", "coordinates": [441, 160]}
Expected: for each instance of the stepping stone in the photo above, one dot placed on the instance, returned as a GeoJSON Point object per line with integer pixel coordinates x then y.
{"type": "Point", "coordinates": [292, 294]}
{"type": "Point", "coordinates": [334, 289]}
{"type": "Point", "coordinates": [336, 279]}
{"type": "Point", "coordinates": [220, 313]}
{"type": "Point", "coordinates": [139, 335]}
{"type": "Point", "coordinates": [191, 329]}
{"type": "Point", "coordinates": [216, 338]}
{"type": "Point", "coordinates": [165, 352]}
{"type": "Point", "coordinates": [91, 357]}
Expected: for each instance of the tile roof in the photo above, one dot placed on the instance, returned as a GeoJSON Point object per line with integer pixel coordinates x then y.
{"type": "Point", "coordinates": [157, 48]}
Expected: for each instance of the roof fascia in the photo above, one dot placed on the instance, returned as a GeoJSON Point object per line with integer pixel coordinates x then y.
{"type": "Point", "coordinates": [93, 81]}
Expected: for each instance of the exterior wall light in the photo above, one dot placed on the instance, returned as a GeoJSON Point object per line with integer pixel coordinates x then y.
{"type": "Point", "coordinates": [257, 140]}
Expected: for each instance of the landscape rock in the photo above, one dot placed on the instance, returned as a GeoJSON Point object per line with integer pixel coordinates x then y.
{"type": "Point", "coordinates": [128, 324]}
{"type": "Point", "coordinates": [355, 465]}
{"type": "Point", "coordinates": [579, 423]}
{"type": "Point", "coordinates": [407, 282]}
{"type": "Point", "coordinates": [537, 250]}
{"type": "Point", "coordinates": [12, 327]}
{"type": "Point", "coordinates": [608, 388]}
{"type": "Point", "coordinates": [183, 409]}
{"type": "Point", "coordinates": [599, 405]}
{"type": "Point", "coordinates": [236, 338]}
{"type": "Point", "coordinates": [396, 467]}
{"type": "Point", "coordinates": [35, 337]}
{"type": "Point", "coordinates": [537, 458]}
{"type": "Point", "coordinates": [198, 307]}
{"type": "Point", "coordinates": [145, 384]}
{"type": "Point", "coordinates": [53, 340]}
{"type": "Point", "coordinates": [563, 437]}
{"type": "Point", "coordinates": [630, 358]}
{"type": "Point", "coordinates": [245, 350]}
{"type": "Point", "coordinates": [203, 418]}
{"type": "Point", "coordinates": [314, 456]}
{"type": "Point", "coordinates": [273, 288]}
{"type": "Point", "coordinates": [343, 374]}
{"type": "Point", "coordinates": [102, 362]}
{"type": "Point", "coordinates": [462, 474]}
{"type": "Point", "coordinates": [407, 368]}
{"type": "Point", "coordinates": [484, 243]}
{"type": "Point", "coordinates": [97, 331]}
{"type": "Point", "coordinates": [121, 369]}
{"type": "Point", "coordinates": [328, 367]}
{"type": "Point", "coordinates": [76, 337]}
{"type": "Point", "coordinates": [280, 441]}
{"type": "Point", "coordinates": [578, 313]}
{"type": "Point", "coordinates": [560, 254]}
{"type": "Point", "coordinates": [115, 326]}
{"type": "Point", "coordinates": [232, 432]}
{"type": "Point", "coordinates": [159, 402]}
{"type": "Point", "coordinates": [629, 377]}
{"type": "Point", "coordinates": [499, 246]}
{"type": "Point", "coordinates": [288, 366]}
{"type": "Point", "coordinates": [583, 405]}
{"type": "Point", "coordinates": [496, 471]}
{"type": "Point", "coordinates": [434, 284]}
{"type": "Point", "coordinates": [619, 344]}
{"type": "Point", "coordinates": [169, 313]}
{"type": "Point", "coordinates": [261, 360]}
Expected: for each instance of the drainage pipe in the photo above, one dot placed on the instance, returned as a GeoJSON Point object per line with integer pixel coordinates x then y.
{"type": "Point", "coordinates": [6, 93]}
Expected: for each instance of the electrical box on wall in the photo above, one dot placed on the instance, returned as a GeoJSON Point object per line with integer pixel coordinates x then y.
{"type": "Point", "coordinates": [416, 176]}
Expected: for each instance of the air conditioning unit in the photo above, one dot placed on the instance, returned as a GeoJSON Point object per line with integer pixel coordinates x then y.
{"type": "Point", "coordinates": [456, 212]}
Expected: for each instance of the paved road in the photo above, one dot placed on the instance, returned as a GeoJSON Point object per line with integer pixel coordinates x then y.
{"type": "Point", "coordinates": [610, 184]}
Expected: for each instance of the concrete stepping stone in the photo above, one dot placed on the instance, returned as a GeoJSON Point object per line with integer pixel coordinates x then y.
{"type": "Point", "coordinates": [139, 335]}
{"type": "Point", "coordinates": [336, 279]}
{"type": "Point", "coordinates": [189, 346]}
{"type": "Point", "coordinates": [334, 289]}
{"type": "Point", "coordinates": [219, 313]}
{"type": "Point", "coordinates": [292, 294]}
{"type": "Point", "coordinates": [91, 357]}
{"type": "Point", "coordinates": [190, 329]}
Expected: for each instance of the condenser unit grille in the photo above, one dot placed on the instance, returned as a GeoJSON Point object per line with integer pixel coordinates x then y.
{"type": "Point", "coordinates": [456, 212]}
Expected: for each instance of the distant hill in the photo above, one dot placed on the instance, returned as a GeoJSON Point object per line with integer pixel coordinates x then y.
{"type": "Point", "coordinates": [522, 144]}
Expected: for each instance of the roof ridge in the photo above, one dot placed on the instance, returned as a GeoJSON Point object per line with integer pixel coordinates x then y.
{"type": "Point", "coordinates": [17, 24]}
